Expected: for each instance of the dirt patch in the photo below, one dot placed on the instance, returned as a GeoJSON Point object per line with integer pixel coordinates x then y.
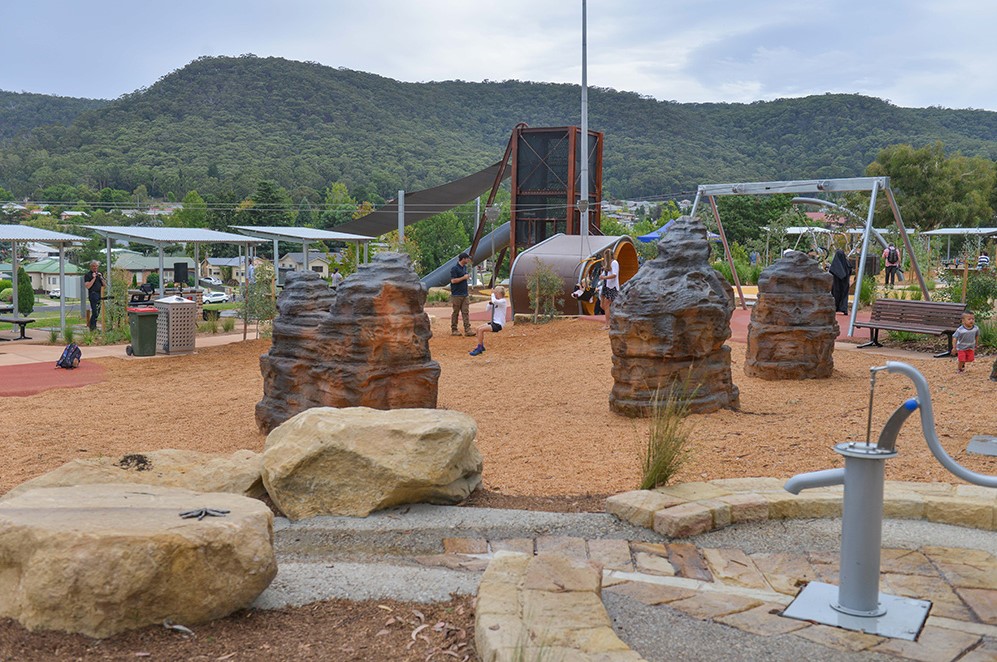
{"type": "Point", "coordinates": [540, 397]}
{"type": "Point", "coordinates": [331, 630]}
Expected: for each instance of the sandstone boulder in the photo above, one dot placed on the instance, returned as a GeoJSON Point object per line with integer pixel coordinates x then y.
{"type": "Point", "coordinates": [793, 328]}
{"type": "Point", "coordinates": [353, 461]}
{"type": "Point", "coordinates": [668, 327]}
{"type": "Point", "coordinates": [102, 559]}
{"type": "Point", "coordinates": [238, 473]}
{"type": "Point", "coordinates": [364, 344]}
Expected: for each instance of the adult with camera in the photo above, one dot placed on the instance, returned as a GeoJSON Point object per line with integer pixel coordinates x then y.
{"type": "Point", "coordinates": [94, 282]}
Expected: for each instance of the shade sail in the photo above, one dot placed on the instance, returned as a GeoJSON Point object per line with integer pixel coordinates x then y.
{"type": "Point", "coordinates": [423, 204]}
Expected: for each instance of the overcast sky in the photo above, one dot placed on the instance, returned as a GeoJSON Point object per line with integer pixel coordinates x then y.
{"type": "Point", "coordinates": [914, 53]}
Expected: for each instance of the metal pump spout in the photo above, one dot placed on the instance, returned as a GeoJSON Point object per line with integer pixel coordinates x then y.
{"type": "Point", "coordinates": [814, 479]}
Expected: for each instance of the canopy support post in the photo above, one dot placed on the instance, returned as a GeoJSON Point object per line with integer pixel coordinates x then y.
{"type": "Point", "coordinates": [62, 288]}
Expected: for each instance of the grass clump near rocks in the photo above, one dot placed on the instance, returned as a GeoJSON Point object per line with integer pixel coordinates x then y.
{"type": "Point", "coordinates": [667, 447]}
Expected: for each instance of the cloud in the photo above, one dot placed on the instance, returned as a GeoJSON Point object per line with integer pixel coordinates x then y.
{"type": "Point", "coordinates": [919, 53]}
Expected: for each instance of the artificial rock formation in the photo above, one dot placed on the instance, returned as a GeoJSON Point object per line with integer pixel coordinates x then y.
{"type": "Point", "coordinates": [792, 329]}
{"type": "Point", "coordinates": [238, 473]}
{"type": "Point", "coordinates": [364, 344]}
{"type": "Point", "coordinates": [668, 328]}
{"type": "Point", "coordinates": [102, 559]}
{"type": "Point", "coordinates": [354, 461]}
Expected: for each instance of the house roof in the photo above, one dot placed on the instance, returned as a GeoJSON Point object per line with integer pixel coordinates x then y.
{"type": "Point", "coordinates": [50, 266]}
{"type": "Point", "coordinates": [299, 258]}
{"type": "Point", "coordinates": [136, 262]}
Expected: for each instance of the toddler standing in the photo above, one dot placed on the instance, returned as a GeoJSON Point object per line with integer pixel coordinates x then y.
{"type": "Point", "coordinates": [965, 340]}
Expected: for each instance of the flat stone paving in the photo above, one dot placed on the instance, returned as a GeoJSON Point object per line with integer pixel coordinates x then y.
{"type": "Point", "coordinates": [747, 591]}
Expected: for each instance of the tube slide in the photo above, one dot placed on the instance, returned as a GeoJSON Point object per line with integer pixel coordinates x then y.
{"type": "Point", "coordinates": [491, 243]}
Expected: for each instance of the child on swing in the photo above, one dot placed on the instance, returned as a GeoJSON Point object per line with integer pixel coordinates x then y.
{"type": "Point", "coordinates": [498, 304]}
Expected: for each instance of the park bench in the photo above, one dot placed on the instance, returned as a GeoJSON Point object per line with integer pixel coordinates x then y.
{"type": "Point", "coordinates": [929, 317]}
{"type": "Point", "coordinates": [20, 321]}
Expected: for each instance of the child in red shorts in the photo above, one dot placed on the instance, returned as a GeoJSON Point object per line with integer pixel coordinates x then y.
{"type": "Point", "coordinates": [965, 340]}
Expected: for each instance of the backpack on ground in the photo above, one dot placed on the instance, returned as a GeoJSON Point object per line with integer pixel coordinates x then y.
{"type": "Point", "coordinates": [70, 357]}
{"type": "Point", "coordinates": [892, 256]}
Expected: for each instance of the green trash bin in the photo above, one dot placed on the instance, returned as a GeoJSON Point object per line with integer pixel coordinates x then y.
{"type": "Point", "coordinates": [142, 322]}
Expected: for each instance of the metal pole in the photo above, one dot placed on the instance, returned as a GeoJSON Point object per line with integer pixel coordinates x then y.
{"type": "Point", "coordinates": [304, 256]}
{"type": "Point", "coordinates": [730, 258]}
{"type": "Point", "coordinates": [695, 203]}
{"type": "Point", "coordinates": [62, 288]}
{"type": "Point", "coordinates": [910, 249]}
{"type": "Point", "coordinates": [276, 269]}
{"type": "Point", "coordinates": [477, 227]}
{"type": "Point", "coordinates": [861, 536]}
{"type": "Point", "coordinates": [401, 217]}
{"type": "Point", "coordinates": [865, 247]}
{"type": "Point", "coordinates": [107, 284]}
{"type": "Point", "coordinates": [583, 193]}
{"type": "Point", "coordinates": [245, 294]}
{"type": "Point", "coordinates": [162, 273]}
{"type": "Point", "coordinates": [13, 268]}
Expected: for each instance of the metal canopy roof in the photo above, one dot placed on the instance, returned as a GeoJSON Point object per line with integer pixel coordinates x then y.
{"type": "Point", "coordinates": [28, 233]}
{"type": "Point", "coordinates": [797, 186]}
{"type": "Point", "coordinates": [297, 234]}
{"type": "Point", "coordinates": [162, 236]}
{"type": "Point", "coordinates": [950, 231]}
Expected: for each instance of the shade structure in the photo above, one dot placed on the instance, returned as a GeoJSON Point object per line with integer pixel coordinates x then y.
{"type": "Point", "coordinates": [298, 235]}
{"type": "Point", "coordinates": [162, 237]}
{"type": "Point", "coordinates": [655, 235]}
{"type": "Point", "coordinates": [16, 234]}
{"type": "Point", "coordinates": [984, 232]}
{"type": "Point", "coordinates": [423, 204]}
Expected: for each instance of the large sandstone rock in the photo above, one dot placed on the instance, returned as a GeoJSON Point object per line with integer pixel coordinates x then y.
{"type": "Point", "coordinates": [101, 559]}
{"type": "Point", "coordinates": [353, 461]}
{"type": "Point", "coordinates": [364, 344]}
{"type": "Point", "coordinates": [792, 329]}
{"type": "Point", "coordinates": [668, 328]}
{"type": "Point", "coordinates": [238, 473]}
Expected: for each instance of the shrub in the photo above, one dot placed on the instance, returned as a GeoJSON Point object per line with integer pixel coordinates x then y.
{"type": "Point", "coordinates": [438, 296]}
{"type": "Point", "coordinates": [546, 292]}
{"type": "Point", "coordinates": [903, 336]}
{"type": "Point", "coordinates": [53, 336]}
{"type": "Point", "coordinates": [228, 324]}
{"type": "Point", "coordinates": [667, 438]}
{"type": "Point", "coordinates": [5, 284]}
{"type": "Point", "coordinates": [25, 295]}
{"type": "Point", "coordinates": [988, 334]}
{"type": "Point", "coordinates": [868, 292]}
{"type": "Point", "coordinates": [7, 294]}
{"type": "Point", "coordinates": [68, 334]}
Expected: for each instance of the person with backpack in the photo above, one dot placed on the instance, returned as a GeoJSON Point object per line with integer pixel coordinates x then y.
{"type": "Point", "coordinates": [891, 256]}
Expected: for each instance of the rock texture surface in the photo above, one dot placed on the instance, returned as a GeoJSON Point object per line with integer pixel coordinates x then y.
{"type": "Point", "coordinates": [365, 344]}
{"type": "Point", "coordinates": [793, 328]}
{"type": "Point", "coordinates": [353, 461]}
{"type": "Point", "coordinates": [102, 559]}
{"type": "Point", "coordinates": [238, 473]}
{"type": "Point", "coordinates": [668, 328]}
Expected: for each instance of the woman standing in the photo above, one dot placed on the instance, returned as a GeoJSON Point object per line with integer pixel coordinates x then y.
{"type": "Point", "coordinates": [841, 271]}
{"type": "Point", "coordinates": [610, 282]}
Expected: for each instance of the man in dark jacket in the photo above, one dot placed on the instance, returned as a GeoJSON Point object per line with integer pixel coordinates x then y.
{"type": "Point", "coordinates": [94, 282]}
{"type": "Point", "coordinates": [458, 295]}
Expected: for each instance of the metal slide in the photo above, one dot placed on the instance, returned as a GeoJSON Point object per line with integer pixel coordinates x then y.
{"type": "Point", "coordinates": [490, 244]}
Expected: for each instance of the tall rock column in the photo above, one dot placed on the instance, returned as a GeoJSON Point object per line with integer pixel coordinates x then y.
{"type": "Point", "coordinates": [364, 344]}
{"type": "Point", "coordinates": [792, 329]}
{"type": "Point", "coordinates": [668, 328]}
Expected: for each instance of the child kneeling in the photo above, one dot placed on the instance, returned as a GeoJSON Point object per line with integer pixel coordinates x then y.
{"type": "Point", "coordinates": [499, 303]}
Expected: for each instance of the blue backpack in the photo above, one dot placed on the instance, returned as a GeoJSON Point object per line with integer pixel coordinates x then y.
{"type": "Point", "coordinates": [70, 357]}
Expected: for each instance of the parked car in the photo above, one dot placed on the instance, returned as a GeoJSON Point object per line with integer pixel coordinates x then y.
{"type": "Point", "coordinates": [214, 282]}
{"type": "Point", "coordinates": [214, 297]}
{"type": "Point", "coordinates": [55, 294]}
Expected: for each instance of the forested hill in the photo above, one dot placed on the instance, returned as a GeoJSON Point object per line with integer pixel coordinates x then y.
{"type": "Point", "coordinates": [22, 111]}
{"type": "Point", "coordinates": [220, 124]}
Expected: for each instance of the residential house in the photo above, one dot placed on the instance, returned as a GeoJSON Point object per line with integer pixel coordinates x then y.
{"type": "Point", "coordinates": [66, 215]}
{"type": "Point", "coordinates": [44, 274]}
{"type": "Point", "coordinates": [216, 267]}
{"type": "Point", "coordinates": [317, 262]}
{"type": "Point", "coordinates": [140, 266]}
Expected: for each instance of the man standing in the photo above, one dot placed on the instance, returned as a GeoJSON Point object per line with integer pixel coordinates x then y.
{"type": "Point", "coordinates": [94, 282]}
{"type": "Point", "coordinates": [892, 258]}
{"type": "Point", "coordinates": [458, 295]}
{"type": "Point", "coordinates": [336, 277]}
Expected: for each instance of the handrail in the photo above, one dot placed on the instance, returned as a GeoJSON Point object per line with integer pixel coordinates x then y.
{"type": "Point", "coordinates": [928, 426]}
